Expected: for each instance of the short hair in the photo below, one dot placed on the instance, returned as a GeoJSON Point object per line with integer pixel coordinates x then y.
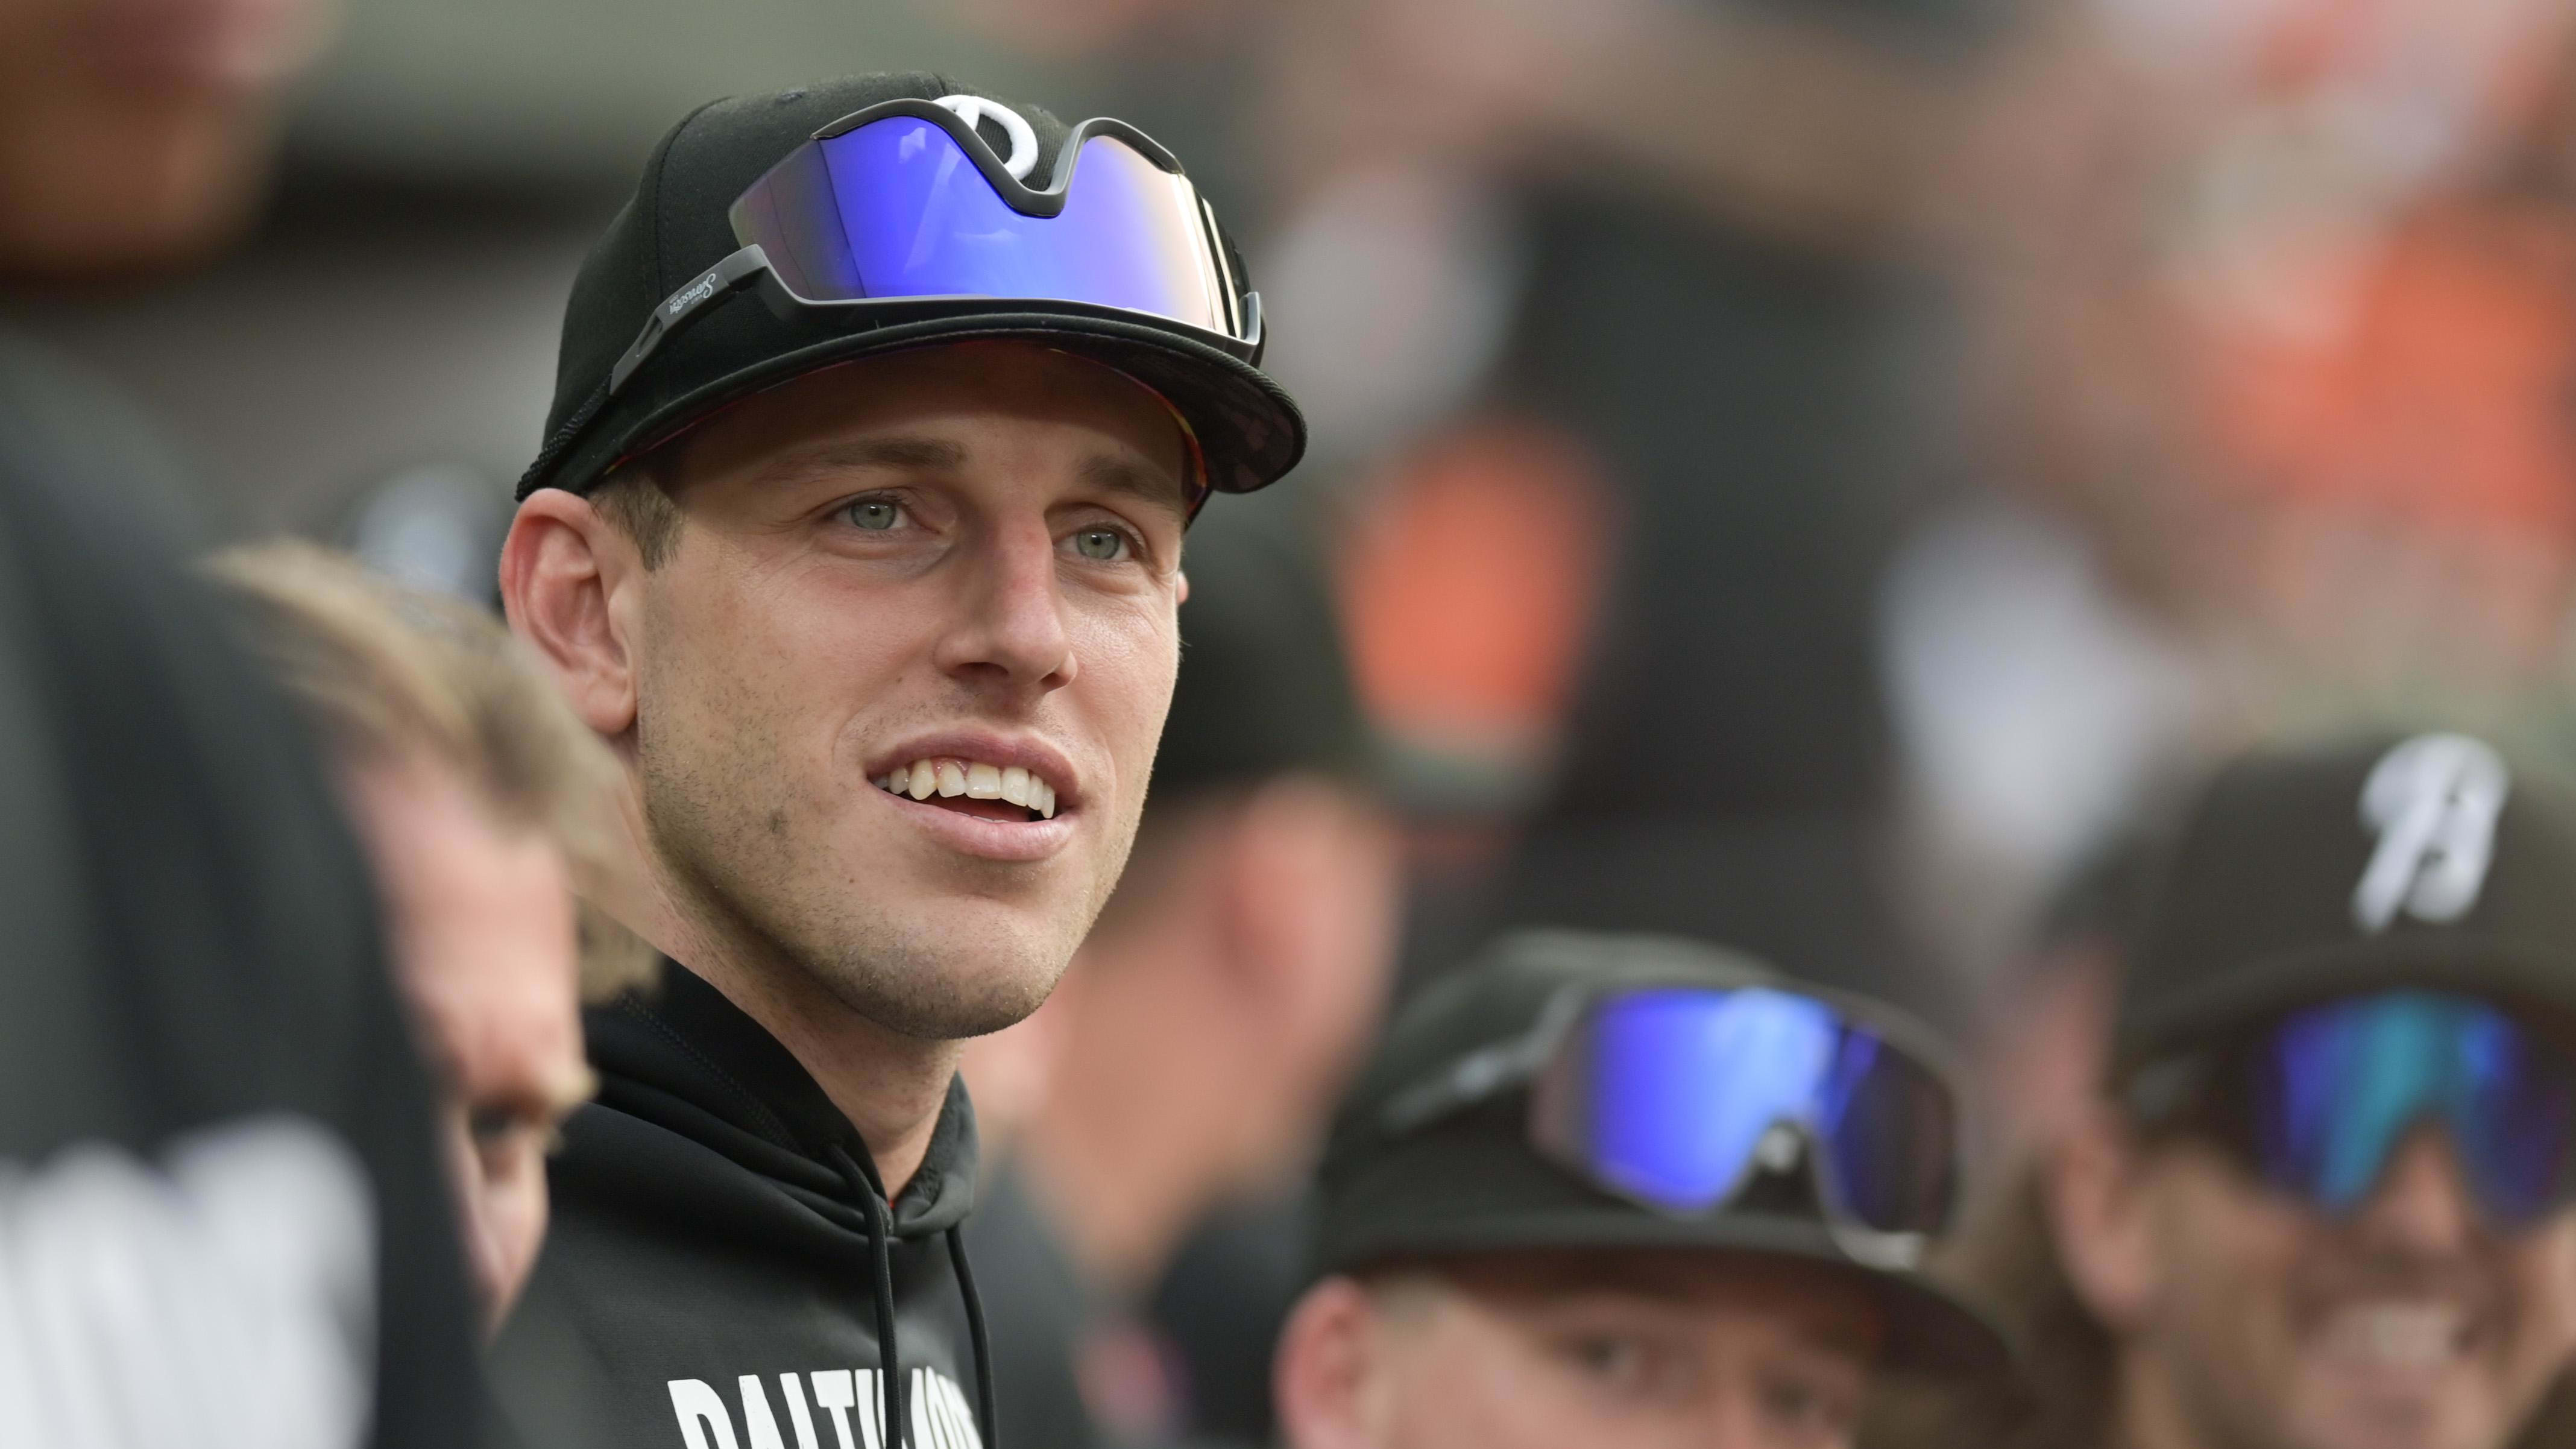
{"type": "Point", "coordinates": [636, 500]}
{"type": "Point", "coordinates": [386, 673]}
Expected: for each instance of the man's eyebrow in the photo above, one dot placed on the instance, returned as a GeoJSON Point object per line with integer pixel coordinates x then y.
{"type": "Point", "coordinates": [1111, 473]}
{"type": "Point", "coordinates": [1843, 1335]}
{"type": "Point", "coordinates": [903, 453]}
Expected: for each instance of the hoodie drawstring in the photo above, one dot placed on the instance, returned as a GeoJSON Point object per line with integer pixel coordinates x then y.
{"type": "Point", "coordinates": [975, 1331]}
{"type": "Point", "coordinates": [881, 1261]}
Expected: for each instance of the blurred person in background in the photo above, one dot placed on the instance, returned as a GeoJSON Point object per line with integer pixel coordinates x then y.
{"type": "Point", "coordinates": [2328, 1198]}
{"type": "Point", "coordinates": [1192, 1052]}
{"type": "Point", "coordinates": [220, 1173]}
{"type": "Point", "coordinates": [1611, 1190]}
{"type": "Point", "coordinates": [135, 134]}
{"type": "Point", "coordinates": [1711, 344]}
{"type": "Point", "coordinates": [2275, 301]}
{"type": "Point", "coordinates": [872, 582]}
{"type": "Point", "coordinates": [483, 803]}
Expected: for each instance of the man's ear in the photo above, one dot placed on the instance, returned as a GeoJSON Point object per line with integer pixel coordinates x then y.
{"type": "Point", "coordinates": [2095, 1187]}
{"type": "Point", "coordinates": [571, 586]}
{"type": "Point", "coordinates": [1321, 1378]}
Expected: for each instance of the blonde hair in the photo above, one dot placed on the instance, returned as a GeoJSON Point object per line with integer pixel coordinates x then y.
{"type": "Point", "coordinates": [387, 673]}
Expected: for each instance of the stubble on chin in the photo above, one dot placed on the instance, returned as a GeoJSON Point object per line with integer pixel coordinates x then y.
{"type": "Point", "coordinates": [750, 866]}
{"type": "Point", "coordinates": [921, 991]}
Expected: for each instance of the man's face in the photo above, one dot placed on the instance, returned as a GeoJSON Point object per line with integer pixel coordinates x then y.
{"type": "Point", "coordinates": [1608, 1349]}
{"type": "Point", "coordinates": [481, 924]}
{"type": "Point", "coordinates": [135, 133]}
{"type": "Point", "coordinates": [899, 587]}
{"type": "Point", "coordinates": [2413, 1324]}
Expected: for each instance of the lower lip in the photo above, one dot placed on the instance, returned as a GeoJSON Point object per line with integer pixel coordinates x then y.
{"type": "Point", "coordinates": [997, 840]}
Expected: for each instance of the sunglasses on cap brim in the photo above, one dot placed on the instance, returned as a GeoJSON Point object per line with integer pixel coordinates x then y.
{"type": "Point", "coordinates": [903, 211]}
{"type": "Point", "coordinates": [2319, 1101]}
{"type": "Point", "coordinates": [1679, 1099]}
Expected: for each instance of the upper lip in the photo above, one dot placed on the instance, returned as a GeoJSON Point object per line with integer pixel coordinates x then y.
{"type": "Point", "coordinates": [1034, 755]}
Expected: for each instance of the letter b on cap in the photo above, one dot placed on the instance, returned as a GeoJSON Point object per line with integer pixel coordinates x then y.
{"type": "Point", "coordinates": [2433, 801]}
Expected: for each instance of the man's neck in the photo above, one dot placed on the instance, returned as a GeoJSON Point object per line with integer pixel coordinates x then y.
{"type": "Point", "coordinates": [2149, 1412]}
{"type": "Point", "coordinates": [889, 1085]}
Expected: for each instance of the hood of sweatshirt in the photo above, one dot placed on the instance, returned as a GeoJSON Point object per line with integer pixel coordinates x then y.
{"type": "Point", "coordinates": [721, 1239]}
{"type": "Point", "coordinates": [688, 1062]}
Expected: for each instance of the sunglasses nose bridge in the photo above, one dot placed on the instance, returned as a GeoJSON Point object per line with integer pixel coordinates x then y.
{"type": "Point", "coordinates": [2422, 1196]}
{"type": "Point", "coordinates": [1783, 1144]}
{"type": "Point", "coordinates": [974, 110]}
{"type": "Point", "coordinates": [1787, 1167]}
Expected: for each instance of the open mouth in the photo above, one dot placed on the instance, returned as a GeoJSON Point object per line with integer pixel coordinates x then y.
{"type": "Point", "coordinates": [2396, 1336]}
{"type": "Point", "coordinates": [973, 787]}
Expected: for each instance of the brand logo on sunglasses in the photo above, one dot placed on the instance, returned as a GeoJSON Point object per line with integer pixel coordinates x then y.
{"type": "Point", "coordinates": [2434, 801]}
{"type": "Point", "coordinates": [691, 295]}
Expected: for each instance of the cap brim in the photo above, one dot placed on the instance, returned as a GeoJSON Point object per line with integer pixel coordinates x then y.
{"type": "Point", "coordinates": [1247, 428]}
{"type": "Point", "coordinates": [2537, 985]}
{"type": "Point", "coordinates": [1930, 1331]}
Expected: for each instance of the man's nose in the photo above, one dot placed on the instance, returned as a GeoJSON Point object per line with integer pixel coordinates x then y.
{"type": "Point", "coordinates": [1010, 626]}
{"type": "Point", "coordinates": [2422, 1202]}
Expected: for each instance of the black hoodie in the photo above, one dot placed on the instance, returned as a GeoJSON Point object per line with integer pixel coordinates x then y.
{"type": "Point", "coordinates": [722, 1260]}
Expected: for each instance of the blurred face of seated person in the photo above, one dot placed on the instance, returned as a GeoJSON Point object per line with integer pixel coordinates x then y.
{"type": "Point", "coordinates": [482, 804]}
{"type": "Point", "coordinates": [135, 134]}
{"type": "Point", "coordinates": [1607, 1348]}
{"type": "Point", "coordinates": [480, 919]}
{"type": "Point", "coordinates": [2245, 1319]}
{"type": "Point", "coordinates": [887, 650]}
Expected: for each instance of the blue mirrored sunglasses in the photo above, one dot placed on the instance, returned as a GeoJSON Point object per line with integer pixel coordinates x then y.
{"type": "Point", "coordinates": [1679, 1098]}
{"type": "Point", "coordinates": [904, 210]}
{"type": "Point", "coordinates": [2322, 1099]}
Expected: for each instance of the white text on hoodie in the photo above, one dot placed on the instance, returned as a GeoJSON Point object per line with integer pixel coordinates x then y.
{"type": "Point", "coordinates": [940, 1418]}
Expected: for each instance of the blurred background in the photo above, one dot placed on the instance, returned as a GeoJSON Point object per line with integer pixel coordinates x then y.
{"type": "Point", "coordinates": [1815, 474]}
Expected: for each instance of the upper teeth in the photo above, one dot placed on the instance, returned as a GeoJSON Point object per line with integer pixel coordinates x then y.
{"type": "Point", "coordinates": [2397, 1334]}
{"type": "Point", "coordinates": [973, 779]}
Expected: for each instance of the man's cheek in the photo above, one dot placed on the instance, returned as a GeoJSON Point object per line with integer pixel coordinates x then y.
{"type": "Point", "coordinates": [2227, 1270]}
{"type": "Point", "coordinates": [2544, 1275]}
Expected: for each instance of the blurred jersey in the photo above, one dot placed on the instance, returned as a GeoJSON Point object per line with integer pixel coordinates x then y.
{"type": "Point", "coordinates": [221, 1214]}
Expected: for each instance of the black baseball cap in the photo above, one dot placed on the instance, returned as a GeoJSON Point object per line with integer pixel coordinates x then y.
{"type": "Point", "coordinates": [2261, 903]}
{"type": "Point", "coordinates": [1473, 1184]}
{"type": "Point", "coordinates": [1265, 685]}
{"type": "Point", "coordinates": [676, 227]}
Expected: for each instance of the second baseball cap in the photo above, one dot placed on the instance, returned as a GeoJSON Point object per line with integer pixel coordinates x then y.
{"type": "Point", "coordinates": [2362, 865]}
{"type": "Point", "coordinates": [1434, 1152]}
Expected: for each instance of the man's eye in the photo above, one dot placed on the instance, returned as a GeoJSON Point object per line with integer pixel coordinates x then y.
{"type": "Point", "coordinates": [500, 1133]}
{"type": "Point", "coordinates": [1611, 1357]}
{"type": "Point", "coordinates": [1809, 1412]}
{"type": "Point", "coordinates": [1102, 545]}
{"type": "Point", "coordinates": [492, 1126]}
{"type": "Point", "coordinates": [876, 515]}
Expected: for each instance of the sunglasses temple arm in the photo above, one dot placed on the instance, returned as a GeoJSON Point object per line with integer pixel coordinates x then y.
{"type": "Point", "coordinates": [1481, 1074]}
{"type": "Point", "coordinates": [685, 306]}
